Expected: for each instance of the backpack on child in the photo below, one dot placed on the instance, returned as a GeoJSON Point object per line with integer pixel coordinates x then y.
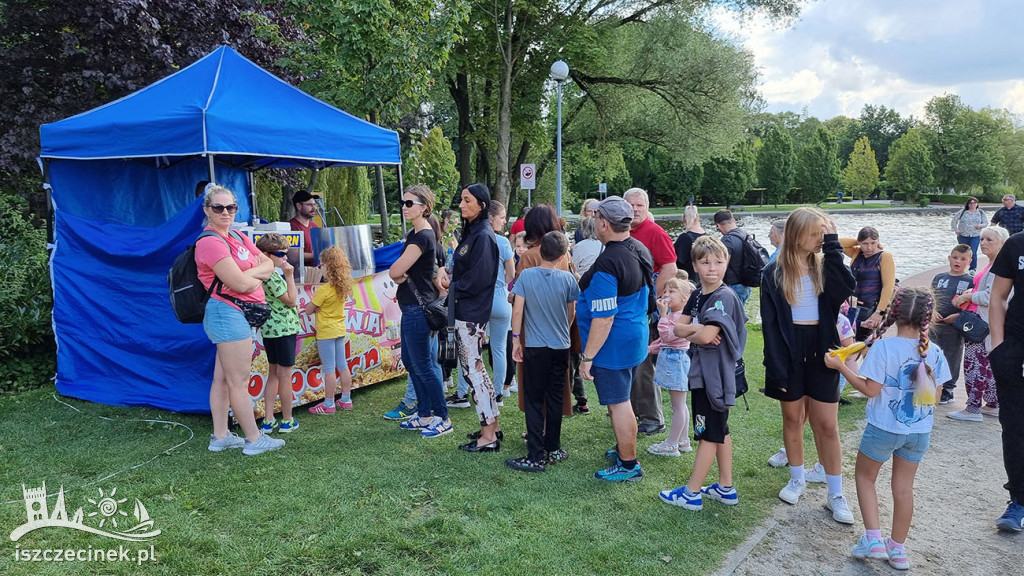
{"type": "Point", "coordinates": [188, 295]}
{"type": "Point", "coordinates": [755, 258]}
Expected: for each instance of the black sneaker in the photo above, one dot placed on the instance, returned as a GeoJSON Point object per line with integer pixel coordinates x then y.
{"type": "Point", "coordinates": [581, 409]}
{"type": "Point", "coordinates": [557, 456]}
{"type": "Point", "coordinates": [947, 397]}
{"type": "Point", "coordinates": [456, 401]}
{"type": "Point", "coordinates": [524, 464]}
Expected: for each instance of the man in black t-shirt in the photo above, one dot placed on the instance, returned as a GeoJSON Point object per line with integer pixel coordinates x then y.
{"type": "Point", "coordinates": [1006, 326]}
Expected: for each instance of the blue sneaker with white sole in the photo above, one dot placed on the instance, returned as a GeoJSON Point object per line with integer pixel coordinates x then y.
{"type": "Point", "coordinates": [1013, 519]}
{"type": "Point", "coordinates": [683, 498]}
{"type": "Point", "coordinates": [729, 497]}
{"type": "Point", "coordinates": [288, 426]}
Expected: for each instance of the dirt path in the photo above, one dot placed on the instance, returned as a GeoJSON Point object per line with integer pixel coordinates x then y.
{"type": "Point", "coordinates": [958, 495]}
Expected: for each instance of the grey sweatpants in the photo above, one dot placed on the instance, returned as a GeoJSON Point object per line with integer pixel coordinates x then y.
{"type": "Point", "coordinates": [646, 395]}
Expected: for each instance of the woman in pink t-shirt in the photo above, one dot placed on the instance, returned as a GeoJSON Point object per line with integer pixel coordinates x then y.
{"type": "Point", "coordinates": [241, 269]}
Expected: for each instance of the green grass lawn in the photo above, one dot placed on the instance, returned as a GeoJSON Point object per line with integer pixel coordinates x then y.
{"type": "Point", "coordinates": [353, 494]}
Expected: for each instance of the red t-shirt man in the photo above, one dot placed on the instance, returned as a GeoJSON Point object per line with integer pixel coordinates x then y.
{"type": "Point", "coordinates": [305, 210]}
{"type": "Point", "coordinates": [657, 241]}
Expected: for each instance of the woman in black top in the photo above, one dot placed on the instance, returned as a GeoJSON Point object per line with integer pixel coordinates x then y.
{"type": "Point", "coordinates": [472, 293]}
{"type": "Point", "coordinates": [684, 243]}
{"type": "Point", "coordinates": [414, 273]}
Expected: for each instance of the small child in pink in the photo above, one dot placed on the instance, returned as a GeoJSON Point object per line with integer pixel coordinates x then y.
{"type": "Point", "coordinates": [673, 367]}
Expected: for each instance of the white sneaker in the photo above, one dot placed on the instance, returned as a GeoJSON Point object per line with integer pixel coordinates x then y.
{"type": "Point", "coordinates": [791, 493]}
{"type": "Point", "coordinates": [263, 444]}
{"type": "Point", "coordinates": [779, 459]}
{"type": "Point", "coordinates": [840, 510]}
{"type": "Point", "coordinates": [514, 386]}
{"type": "Point", "coordinates": [815, 475]}
{"type": "Point", "coordinates": [226, 443]}
{"type": "Point", "coordinates": [663, 448]}
{"type": "Point", "coordinates": [687, 447]}
{"type": "Point", "coordinates": [986, 411]}
{"type": "Point", "coordinates": [965, 416]}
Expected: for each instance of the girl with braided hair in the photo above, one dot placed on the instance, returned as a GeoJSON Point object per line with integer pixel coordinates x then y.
{"type": "Point", "coordinates": [901, 376]}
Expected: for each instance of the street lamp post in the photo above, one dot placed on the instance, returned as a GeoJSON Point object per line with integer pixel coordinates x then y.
{"type": "Point", "coordinates": [559, 72]}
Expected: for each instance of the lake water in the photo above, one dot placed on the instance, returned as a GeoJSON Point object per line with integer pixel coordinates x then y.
{"type": "Point", "coordinates": [917, 241]}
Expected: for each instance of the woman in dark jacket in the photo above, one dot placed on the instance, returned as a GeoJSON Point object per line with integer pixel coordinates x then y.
{"type": "Point", "coordinates": [801, 292]}
{"type": "Point", "coordinates": [472, 288]}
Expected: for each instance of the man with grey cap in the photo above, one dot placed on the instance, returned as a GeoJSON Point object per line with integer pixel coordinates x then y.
{"type": "Point", "coordinates": [646, 394]}
{"type": "Point", "coordinates": [612, 311]}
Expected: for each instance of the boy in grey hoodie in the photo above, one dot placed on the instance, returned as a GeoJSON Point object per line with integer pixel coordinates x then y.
{"type": "Point", "coordinates": [714, 321]}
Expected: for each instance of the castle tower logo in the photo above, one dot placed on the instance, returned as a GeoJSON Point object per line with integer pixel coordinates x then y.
{"type": "Point", "coordinates": [111, 521]}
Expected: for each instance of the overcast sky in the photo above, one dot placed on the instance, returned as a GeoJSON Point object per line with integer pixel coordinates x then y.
{"type": "Point", "coordinates": [842, 54]}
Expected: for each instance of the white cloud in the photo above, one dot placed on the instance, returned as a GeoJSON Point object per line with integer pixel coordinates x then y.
{"type": "Point", "coordinates": [843, 54]}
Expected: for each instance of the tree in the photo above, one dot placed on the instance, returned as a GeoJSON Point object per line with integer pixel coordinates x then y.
{"type": "Point", "coordinates": [63, 58]}
{"type": "Point", "coordinates": [727, 180]}
{"type": "Point", "coordinates": [860, 177]}
{"type": "Point", "coordinates": [910, 168]}
{"type": "Point", "coordinates": [817, 173]}
{"type": "Point", "coordinates": [846, 130]}
{"type": "Point", "coordinates": [1011, 144]}
{"type": "Point", "coordinates": [775, 165]}
{"type": "Point", "coordinates": [433, 164]}
{"type": "Point", "coordinates": [882, 126]}
{"type": "Point", "coordinates": [964, 144]}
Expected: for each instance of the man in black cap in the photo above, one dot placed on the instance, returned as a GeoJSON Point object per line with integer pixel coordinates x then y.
{"type": "Point", "coordinates": [305, 209]}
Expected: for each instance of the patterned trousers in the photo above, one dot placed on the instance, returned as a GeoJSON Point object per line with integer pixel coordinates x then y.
{"type": "Point", "coordinates": [978, 378]}
{"type": "Point", "coordinates": [470, 339]}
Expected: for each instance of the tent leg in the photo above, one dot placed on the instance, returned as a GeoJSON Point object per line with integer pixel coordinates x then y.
{"type": "Point", "coordinates": [383, 202]}
{"type": "Point", "coordinates": [209, 159]}
{"type": "Point", "coordinates": [49, 201]}
{"type": "Point", "coordinates": [253, 213]}
{"type": "Point", "coordinates": [401, 190]}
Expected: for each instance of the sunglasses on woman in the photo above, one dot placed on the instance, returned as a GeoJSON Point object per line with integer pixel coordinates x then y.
{"type": "Point", "coordinates": [410, 203]}
{"type": "Point", "coordinates": [220, 208]}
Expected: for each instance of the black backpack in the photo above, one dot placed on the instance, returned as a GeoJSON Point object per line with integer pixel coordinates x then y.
{"type": "Point", "coordinates": [188, 295]}
{"type": "Point", "coordinates": [755, 258]}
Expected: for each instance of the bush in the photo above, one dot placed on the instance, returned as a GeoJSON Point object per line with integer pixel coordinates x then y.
{"type": "Point", "coordinates": [26, 302]}
{"type": "Point", "coordinates": [996, 192]}
{"type": "Point", "coordinates": [923, 201]}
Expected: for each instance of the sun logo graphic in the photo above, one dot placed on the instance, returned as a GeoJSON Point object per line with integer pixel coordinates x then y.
{"type": "Point", "coordinates": [108, 509]}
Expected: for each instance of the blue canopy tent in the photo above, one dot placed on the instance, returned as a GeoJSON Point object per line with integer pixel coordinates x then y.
{"type": "Point", "coordinates": [122, 178]}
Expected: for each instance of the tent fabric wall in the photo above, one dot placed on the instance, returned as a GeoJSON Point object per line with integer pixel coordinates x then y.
{"type": "Point", "coordinates": [136, 192]}
{"type": "Point", "coordinates": [118, 341]}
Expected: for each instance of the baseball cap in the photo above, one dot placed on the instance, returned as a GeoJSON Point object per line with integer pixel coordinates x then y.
{"type": "Point", "coordinates": [303, 196]}
{"type": "Point", "coordinates": [615, 209]}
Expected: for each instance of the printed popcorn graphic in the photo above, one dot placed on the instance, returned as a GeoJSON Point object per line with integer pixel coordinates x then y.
{"type": "Point", "coordinates": [108, 511]}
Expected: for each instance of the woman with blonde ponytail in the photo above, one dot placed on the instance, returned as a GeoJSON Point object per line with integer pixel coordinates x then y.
{"type": "Point", "coordinates": [900, 376]}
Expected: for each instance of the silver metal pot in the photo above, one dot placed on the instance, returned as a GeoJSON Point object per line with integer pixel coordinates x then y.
{"type": "Point", "coordinates": [356, 241]}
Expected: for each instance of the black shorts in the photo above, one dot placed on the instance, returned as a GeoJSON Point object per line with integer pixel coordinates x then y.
{"type": "Point", "coordinates": [809, 377]}
{"type": "Point", "coordinates": [280, 351]}
{"type": "Point", "coordinates": [708, 424]}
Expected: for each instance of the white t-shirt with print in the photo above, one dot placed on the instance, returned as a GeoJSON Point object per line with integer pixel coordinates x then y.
{"type": "Point", "coordinates": [892, 362]}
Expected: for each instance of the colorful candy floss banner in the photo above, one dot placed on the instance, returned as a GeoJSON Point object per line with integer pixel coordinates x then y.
{"type": "Point", "coordinates": [373, 349]}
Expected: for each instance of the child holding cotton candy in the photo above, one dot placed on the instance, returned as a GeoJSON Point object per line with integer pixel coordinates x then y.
{"type": "Point", "coordinates": [901, 376]}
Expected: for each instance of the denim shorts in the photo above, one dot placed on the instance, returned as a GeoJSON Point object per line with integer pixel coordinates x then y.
{"type": "Point", "coordinates": [613, 386]}
{"type": "Point", "coordinates": [673, 369]}
{"type": "Point", "coordinates": [879, 444]}
{"type": "Point", "coordinates": [225, 323]}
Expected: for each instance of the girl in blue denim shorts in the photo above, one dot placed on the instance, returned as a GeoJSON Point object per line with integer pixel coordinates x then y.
{"type": "Point", "coordinates": [673, 367]}
{"type": "Point", "coordinates": [899, 376]}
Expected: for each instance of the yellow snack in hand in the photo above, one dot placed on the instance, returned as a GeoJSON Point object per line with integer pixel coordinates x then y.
{"type": "Point", "coordinates": [855, 350]}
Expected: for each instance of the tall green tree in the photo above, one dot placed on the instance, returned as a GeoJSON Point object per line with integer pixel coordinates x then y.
{"type": "Point", "coordinates": [860, 177]}
{"type": "Point", "coordinates": [964, 144]}
{"type": "Point", "coordinates": [727, 180]}
{"type": "Point", "coordinates": [1011, 145]}
{"type": "Point", "coordinates": [882, 126]}
{"type": "Point", "coordinates": [817, 173]}
{"type": "Point", "coordinates": [776, 165]}
{"type": "Point", "coordinates": [910, 168]}
{"type": "Point", "coordinates": [847, 131]}
{"type": "Point", "coordinates": [433, 164]}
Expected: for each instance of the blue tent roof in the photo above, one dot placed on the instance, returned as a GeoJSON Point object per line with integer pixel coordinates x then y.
{"type": "Point", "coordinates": [227, 106]}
